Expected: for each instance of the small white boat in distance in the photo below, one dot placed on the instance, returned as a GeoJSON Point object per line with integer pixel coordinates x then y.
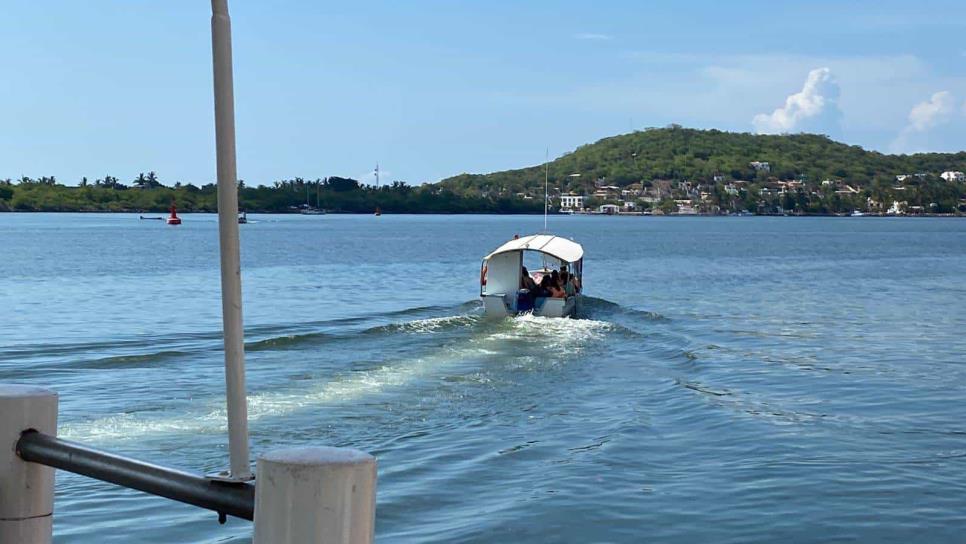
{"type": "Point", "coordinates": [501, 275]}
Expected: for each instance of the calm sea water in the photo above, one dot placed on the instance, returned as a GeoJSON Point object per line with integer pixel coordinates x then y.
{"type": "Point", "coordinates": [730, 380]}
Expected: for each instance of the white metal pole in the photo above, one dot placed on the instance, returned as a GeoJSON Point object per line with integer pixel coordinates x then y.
{"type": "Point", "coordinates": [231, 302]}
{"type": "Point", "coordinates": [315, 496]}
{"type": "Point", "coordinates": [26, 489]}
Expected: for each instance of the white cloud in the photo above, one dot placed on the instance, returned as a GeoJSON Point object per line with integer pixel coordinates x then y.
{"type": "Point", "coordinates": [814, 108]}
{"type": "Point", "coordinates": [936, 110]}
{"type": "Point", "coordinates": [726, 91]}
{"type": "Point", "coordinates": [593, 36]}
{"type": "Point", "coordinates": [923, 117]}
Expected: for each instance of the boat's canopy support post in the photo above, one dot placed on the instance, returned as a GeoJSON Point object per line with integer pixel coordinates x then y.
{"type": "Point", "coordinates": [315, 496]}
{"type": "Point", "coordinates": [26, 489]}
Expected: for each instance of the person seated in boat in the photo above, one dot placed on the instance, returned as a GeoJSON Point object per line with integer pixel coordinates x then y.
{"type": "Point", "coordinates": [568, 283]}
{"type": "Point", "coordinates": [543, 288]}
{"type": "Point", "coordinates": [549, 289]}
{"type": "Point", "coordinates": [526, 282]}
{"type": "Point", "coordinates": [557, 280]}
{"type": "Point", "coordinates": [572, 278]}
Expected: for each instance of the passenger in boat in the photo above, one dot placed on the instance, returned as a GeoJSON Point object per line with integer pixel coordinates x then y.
{"type": "Point", "coordinates": [526, 281]}
{"type": "Point", "coordinates": [568, 284]}
{"type": "Point", "coordinates": [543, 290]}
{"type": "Point", "coordinates": [574, 280]}
{"type": "Point", "coordinates": [553, 288]}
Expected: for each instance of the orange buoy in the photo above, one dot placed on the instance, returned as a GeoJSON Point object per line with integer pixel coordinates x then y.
{"type": "Point", "coordinates": [173, 219]}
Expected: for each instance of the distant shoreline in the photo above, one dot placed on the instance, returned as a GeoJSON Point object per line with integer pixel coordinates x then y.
{"type": "Point", "coordinates": [623, 215]}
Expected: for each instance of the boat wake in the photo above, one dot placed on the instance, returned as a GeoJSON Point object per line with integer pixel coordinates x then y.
{"type": "Point", "coordinates": [368, 364]}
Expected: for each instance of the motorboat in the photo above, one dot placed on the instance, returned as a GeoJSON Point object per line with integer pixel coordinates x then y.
{"type": "Point", "coordinates": [502, 283]}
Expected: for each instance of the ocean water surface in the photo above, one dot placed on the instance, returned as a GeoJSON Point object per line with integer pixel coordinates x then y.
{"type": "Point", "coordinates": [728, 380]}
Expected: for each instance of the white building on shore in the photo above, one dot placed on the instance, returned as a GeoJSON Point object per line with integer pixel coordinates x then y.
{"type": "Point", "coordinates": [609, 209]}
{"type": "Point", "coordinates": [571, 202]}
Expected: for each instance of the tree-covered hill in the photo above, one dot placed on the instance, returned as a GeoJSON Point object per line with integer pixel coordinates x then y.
{"type": "Point", "coordinates": [341, 195]}
{"type": "Point", "coordinates": [671, 169]}
{"type": "Point", "coordinates": [681, 154]}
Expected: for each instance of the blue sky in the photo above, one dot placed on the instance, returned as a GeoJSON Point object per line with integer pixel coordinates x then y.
{"type": "Point", "coordinates": [433, 89]}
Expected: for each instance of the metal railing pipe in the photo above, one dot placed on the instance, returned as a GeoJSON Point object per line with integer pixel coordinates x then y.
{"type": "Point", "coordinates": [235, 499]}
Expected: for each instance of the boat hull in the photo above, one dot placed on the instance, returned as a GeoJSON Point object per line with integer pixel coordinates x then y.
{"type": "Point", "coordinates": [501, 305]}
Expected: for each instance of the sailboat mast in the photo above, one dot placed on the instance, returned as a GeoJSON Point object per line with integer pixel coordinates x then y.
{"type": "Point", "coordinates": [377, 175]}
{"type": "Point", "coordinates": [546, 189]}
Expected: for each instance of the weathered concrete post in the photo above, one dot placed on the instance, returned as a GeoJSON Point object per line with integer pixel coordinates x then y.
{"type": "Point", "coordinates": [315, 496]}
{"type": "Point", "coordinates": [26, 489]}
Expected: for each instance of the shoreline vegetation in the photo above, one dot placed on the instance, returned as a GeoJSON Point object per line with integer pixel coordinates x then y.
{"type": "Point", "coordinates": [670, 171]}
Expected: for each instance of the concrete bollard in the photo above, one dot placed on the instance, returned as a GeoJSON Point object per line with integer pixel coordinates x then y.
{"type": "Point", "coordinates": [315, 496]}
{"type": "Point", "coordinates": [26, 489]}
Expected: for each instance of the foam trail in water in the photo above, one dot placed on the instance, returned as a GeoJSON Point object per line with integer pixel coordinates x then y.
{"type": "Point", "coordinates": [553, 335]}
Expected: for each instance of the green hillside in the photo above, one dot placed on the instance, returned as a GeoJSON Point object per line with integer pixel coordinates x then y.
{"type": "Point", "coordinates": [680, 154]}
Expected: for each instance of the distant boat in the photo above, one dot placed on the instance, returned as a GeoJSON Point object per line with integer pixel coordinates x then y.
{"type": "Point", "coordinates": [151, 218]}
{"type": "Point", "coordinates": [243, 218]}
{"type": "Point", "coordinates": [857, 213]}
{"type": "Point", "coordinates": [307, 209]}
{"type": "Point", "coordinates": [378, 211]}
{"type": "Point", "coordinates": [173, 219]}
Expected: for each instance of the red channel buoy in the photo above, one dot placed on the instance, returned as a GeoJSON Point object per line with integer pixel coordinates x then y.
{"type": "Point", "coordinates": [173, 219]}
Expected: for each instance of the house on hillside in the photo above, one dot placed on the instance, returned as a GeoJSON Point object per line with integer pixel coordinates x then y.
{"type": "Point", "coordinates": [953, 176]}
{"type": "Point", "coordinates": [686, 207]}
{"type": "Point", "coordinates": [631, 190]}
{"type": "Point", "coordinates": [760, 166]}
{"type": "Point", "coordinates": [847, 189]}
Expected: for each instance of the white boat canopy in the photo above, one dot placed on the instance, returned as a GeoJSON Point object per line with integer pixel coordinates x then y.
{"type": "Point", "coordinates": [561, 248]}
